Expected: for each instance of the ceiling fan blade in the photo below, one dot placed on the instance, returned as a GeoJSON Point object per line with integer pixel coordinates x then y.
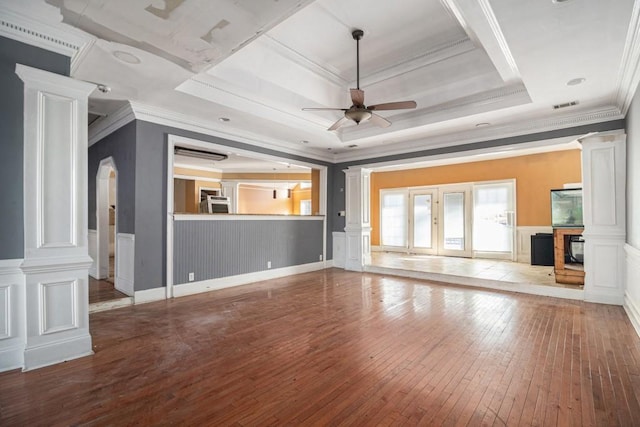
{"type": "Point", "coordinates": [357, 97]}
{"type": "Point", "coordinates": [402, 105]}
{"type": "Point", "coordinates": [379, 121]}
{"type": "Point", "coordinates": [324, 109]}
{"type": "Point", "coordinates": [339, 123]}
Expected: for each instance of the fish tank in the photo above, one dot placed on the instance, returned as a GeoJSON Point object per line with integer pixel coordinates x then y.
{"type": "Point", "coordinates": [566, 208]}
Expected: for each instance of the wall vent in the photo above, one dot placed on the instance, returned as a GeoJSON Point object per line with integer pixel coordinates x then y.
{"type": "Point", "coordinates": [565, 105]}
{"type": "Point", "coordinates": [352, 146]}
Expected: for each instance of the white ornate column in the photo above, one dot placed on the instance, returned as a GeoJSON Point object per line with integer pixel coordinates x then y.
{"type": "Point", "coordinates": [56, 259]}
{"type": "Point", "coordinates": [358, 220]}
{"type": "Point", "coordinates": [603, 181]}
{"type": "Point", "coordinates": [230, 190]}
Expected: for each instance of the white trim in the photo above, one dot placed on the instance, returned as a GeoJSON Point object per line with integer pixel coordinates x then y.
{"type": "Point", "coordinates": [102, 217]}
{"type": "Point", "coordinates": [110, 305]}
{"type": "Point", "coordinates": [106, 125]}
{"type": "Point", "coordinates": [240, 217]}
{"type": "Point", "coordinates": [56, 264]}
{"type": "Point", "coordinates": [11, 357]}
{"type": "Point", "coordinates": [58, 351]}
{"type": "Point", "coordinates": [244, 279]}
{"type": "Point", "coordinates": [182, 121]}
{"type": "Point", "coordinates": [196, 178]}
{"type": "Point", "coordinates": [633, 312]}
{"type": "Point", "coordinates": [489, 133]}
{"type": "Point", "coordinates": [629, 72]}
{"type": "Point", "coordinates": [150, 295]}
{"type": "Point", "coordinates": [10, 266]}
{"type": "Point", "coordinates": [92, 243]}
{"type": "Point", "coordinates": [525, 288]}
{"type": "Point", "coordinates": [68, 41]}
{"type": "Point", "coordinates": [171, 143]}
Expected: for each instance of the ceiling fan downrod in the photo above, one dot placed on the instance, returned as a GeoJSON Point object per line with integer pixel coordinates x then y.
{"type": "Point", "coordinates": [357, 35]}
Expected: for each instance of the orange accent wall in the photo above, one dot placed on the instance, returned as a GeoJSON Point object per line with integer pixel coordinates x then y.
{"type": "Point", "coordinates": [535, 175]}
{"type": "Point", "coordinates": [315, 191]}
{"type": "Point", "coordinates": [259, 200]}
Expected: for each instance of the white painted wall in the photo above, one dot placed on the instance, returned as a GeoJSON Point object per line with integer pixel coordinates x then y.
{"type": "Point", "coordinates": [632, 247]}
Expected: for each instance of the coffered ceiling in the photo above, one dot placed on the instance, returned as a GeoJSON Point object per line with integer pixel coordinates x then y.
{"type": "Point", "coordinates": [477, 69]}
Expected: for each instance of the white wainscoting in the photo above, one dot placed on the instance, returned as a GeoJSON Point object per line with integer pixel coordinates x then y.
{"type": "Point", "coordinates": [523, 237]}
{"type": "Point", "coordinates": [11, 314]}
{"type": "Point", "coordinates": [125, 261]}
{"type": "Point", "coordinates": [92, 241]}
{"type": "Point", "coordinates": [632, 291]}
{"type": "Point", "coordinates": [339, 253]}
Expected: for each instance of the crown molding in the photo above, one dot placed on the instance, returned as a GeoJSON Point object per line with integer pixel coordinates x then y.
{"type": "Point", "coordinates": [164, 117]}
{"type": "Point", "coordinates": [110, 123]}
{"type": "Point", "coordinates": [629, 75]}
{"type": "Point", "coordinates": [522, 127]}
{"type": "Point", "coordinates": [59, 38]}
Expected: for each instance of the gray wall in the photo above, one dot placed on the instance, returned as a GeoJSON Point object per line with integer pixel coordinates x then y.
{"type": "Point", "coordinates": [633, 173]}
{"type": "Point", "coordinates": [337, 193]}
{"type": "Point", "coordinates": [11, 136]}
{"type": "Point", "coordinates": [213, 249]}
{"type": "Point", "coordinates": [150, 196]}
{"type": "Point", "coordinates": [121, 145]}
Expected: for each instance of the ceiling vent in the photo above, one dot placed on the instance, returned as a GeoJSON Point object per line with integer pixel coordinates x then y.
{"type": "Point", "coordinates": [199, 154]}
{"type": "Point", "coordinates": [565, 105]}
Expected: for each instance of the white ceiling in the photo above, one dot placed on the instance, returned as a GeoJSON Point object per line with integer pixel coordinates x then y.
{"type": "Point", "coordinates": [258, 63]}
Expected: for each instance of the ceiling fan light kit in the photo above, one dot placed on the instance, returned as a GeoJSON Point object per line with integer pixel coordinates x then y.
{"type": "Point", "coordinates": [359, 112]}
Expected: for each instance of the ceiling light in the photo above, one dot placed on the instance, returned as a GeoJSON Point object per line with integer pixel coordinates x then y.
{"type": "Point", "coordinates": [482, 125]}
{"type": "Point", "coordinates": [576, 81]}
{"type": "Point", "coordinates": [126, 57]}
{"type": "Point", "coordinates": [358, 115]}
{"type": "Point", "coordinates": [224, 119]}
{"type": "Point", "coordinates": [199, 154]}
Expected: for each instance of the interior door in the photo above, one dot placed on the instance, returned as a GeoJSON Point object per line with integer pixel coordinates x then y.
{"type": "Point", "coordinates": [494, 220]}
{"type": "Point", "coordinates": [423, 230]}
{"type": "Point", "coordinates": [454, 220]}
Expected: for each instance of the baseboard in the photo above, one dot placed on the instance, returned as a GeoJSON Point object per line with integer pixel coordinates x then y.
{"type": "Point", "coordinates": [150, 295]}
{"type": "Point", "coordinates": [602, 298]}
{"type": "Point", "coordinates": [244, 279]}
{"type": "Point", "coordinates": [525, 288]}
{"type": "Point", "coordinates": [11, 358]}
{"type": "Point", "coordinates": [375, 248]}
{"type": "Point", "coordinates": [57, 352]}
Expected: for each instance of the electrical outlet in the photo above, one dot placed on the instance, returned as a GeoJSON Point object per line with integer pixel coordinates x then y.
{"type": "Point", "coordinates": [268, 264]}
{"type": "Point", "coordinates": [192, 277]}
{"type": "Point", "coordinates": [320, 257]}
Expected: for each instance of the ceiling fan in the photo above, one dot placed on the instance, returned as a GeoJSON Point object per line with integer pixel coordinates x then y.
{"type": "Point", "coordinates": [358, 112]}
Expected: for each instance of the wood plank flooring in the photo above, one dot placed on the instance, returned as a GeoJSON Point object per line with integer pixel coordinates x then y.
{"type": "Point", "coordinates": [102, 290]}
{"type": "Point", "coordinates": [343, 348]}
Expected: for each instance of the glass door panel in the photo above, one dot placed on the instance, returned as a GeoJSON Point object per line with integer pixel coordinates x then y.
{"type": "Point", "coordinates": [393, 219]}
{"type": "Point", "coordinates": [455, 215]}
{"type": "Point", "coordinates": [494, 220]}
{"type": "Point", "coordinates": [423, 220]}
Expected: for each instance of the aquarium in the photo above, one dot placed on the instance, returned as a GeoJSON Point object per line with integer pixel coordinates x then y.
{"type": "Point", "coordinates": [566, 208]}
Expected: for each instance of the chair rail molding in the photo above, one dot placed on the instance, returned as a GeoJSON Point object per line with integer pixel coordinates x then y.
{"type": "Point", "coordinates": [56, 259]}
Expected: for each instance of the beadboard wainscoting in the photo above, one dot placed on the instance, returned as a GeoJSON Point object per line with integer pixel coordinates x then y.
{"type": "Point", "coordinates": [212, 247]}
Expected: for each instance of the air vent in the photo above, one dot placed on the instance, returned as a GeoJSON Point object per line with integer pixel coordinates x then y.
{"type": "Point", "coordinates": [565, 105]}
{"type": "Point", "coordinates": [352, 146]}
{"type": "Point", "coordinates": [199, 154]}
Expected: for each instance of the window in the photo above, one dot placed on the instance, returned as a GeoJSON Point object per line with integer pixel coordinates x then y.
{"type": "Point", "coordinates": [305, 207]}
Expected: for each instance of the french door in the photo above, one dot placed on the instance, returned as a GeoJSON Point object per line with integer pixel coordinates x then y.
{"type": "Point", "coordinates": [462, 220]}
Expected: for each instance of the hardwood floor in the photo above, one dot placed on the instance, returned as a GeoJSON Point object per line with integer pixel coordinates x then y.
{"type": "Point", "coordinates": [102, 290]}
{"type": "Point", "coordinates": [342, 348]}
